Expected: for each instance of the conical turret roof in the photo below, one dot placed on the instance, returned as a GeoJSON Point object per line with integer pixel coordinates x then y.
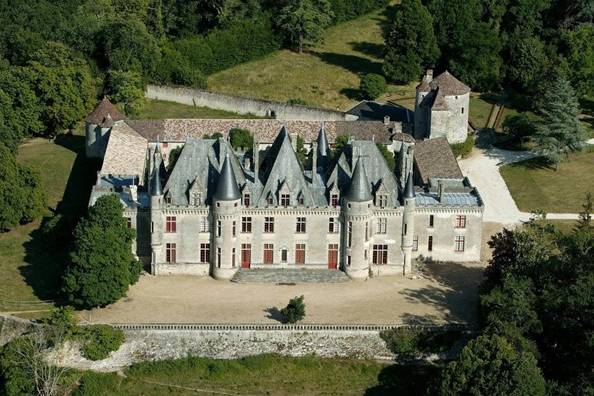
{"type": "Point", "coordinates": [359, 190]}
{"type": "Point", "coordinates": [323, 145]}
{"type": "Point", "coordinates": [155, 185]}
{"type": "Point", "coordinates": [227, 189]}
{"type": "Point", "coordinates": [409, 190]}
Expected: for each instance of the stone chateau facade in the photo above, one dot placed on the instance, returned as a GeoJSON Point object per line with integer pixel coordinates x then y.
{"type": "Point", "coordinates": [214, 211]}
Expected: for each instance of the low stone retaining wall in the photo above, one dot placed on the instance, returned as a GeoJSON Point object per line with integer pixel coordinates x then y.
{"type": "Point", "coordinates": [12, 327]}
{"type": "Point", "coordinates": [151, 342]}
{"type": "Point", "coordinates": [243, 105]}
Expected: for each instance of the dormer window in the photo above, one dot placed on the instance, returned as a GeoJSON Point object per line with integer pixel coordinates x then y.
{"type": "Point", "coordinates": [300, 199]}
{"type": "Point", "coordinates": [285, 200]}
{"type": "Point", "coordinates": [334, 200]}
{"type": "Point", "coordinates": [270, 200]}
{"type": "Point", "coordinates": [382, 200]}
{"type": "Point", "coordinates": [168, 199]}
{"type": "Point", "coordinates": [247, 200]}
{"type": "Point", "coordinates": [196, 199]}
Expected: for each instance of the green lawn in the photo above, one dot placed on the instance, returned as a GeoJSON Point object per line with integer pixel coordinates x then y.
{"type": "Point", "coordinates": [261, 375]}
{"type": "Point", "coordinates": [534, 186]}
{"type": "Point", "coordinates": [327, 75]}
{"type": "Point", "coordinates": [28, 263]}
{"type": "Point", "coordinates": [159, 109]}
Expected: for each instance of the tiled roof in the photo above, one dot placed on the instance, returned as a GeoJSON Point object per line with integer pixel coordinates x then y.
{"type": "Point", "coordinates": [102, 110]}
{"type": "Point", "coordinates": [434, 159]}
{"type": "Point", "coordinates": [265, 130]}
{"type": "Point", "coordinates": [125, 153]}
{"type": "Point", "coordinates": [449, 84]}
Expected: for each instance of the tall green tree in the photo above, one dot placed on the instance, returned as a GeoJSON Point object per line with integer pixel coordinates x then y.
{"type": "Point", "coordinates": [491, 366]}
{"type": "Point", "coordinates": [526, 62]}
{"type": "Point", "coordinates": [411, 45]}
{"type": "Point", "coordinates": [64, 85]}
{"type": "Point", "coordinates": [127, 88]}
{"type": "Point", "coordinates": [22, 198]}
{"type": "Point", "coordinates": [102, 265]}
{"type": "Point", "coordinates": [559, 130]}
{"type": "Point", "coordinates": [579, 45]}
{"type": "Point", "coordinates": [304, 21]}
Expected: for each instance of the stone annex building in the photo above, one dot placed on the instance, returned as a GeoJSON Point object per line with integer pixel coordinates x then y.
{"type": "Point", "coordinates": [215, 210]}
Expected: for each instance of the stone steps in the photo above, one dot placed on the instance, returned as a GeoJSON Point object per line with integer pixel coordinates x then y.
{"type": "Point", "coordinates": [289, 276]}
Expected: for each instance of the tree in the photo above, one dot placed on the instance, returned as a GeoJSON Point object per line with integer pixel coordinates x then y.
{"type": "Point", "coordinates": [526, 61]}
{"type": "Point", "coordinates": [490, 366]}
{"type": "Point", "coordinates": [411, 44]}
{"type": "Point", "coordinates": [64, 85]}
{"type": "Point", "coordinates": [559, 130]}
{"type": "Point", "coordinates": [304, 20]}
{"type": "Point", "coordinates": [294, 311]}
{"type": "Point", "coordinates": [173, 156]}
{"type": "Point", "coordinates": [127, 88]}
{"type": "Point", "coordinates": [102, 265]}
{"type": "Point", "coordinates": [241, 139]}
{"type": "Point", "coordinates": [519, 126]}
{"type": "Point", "coordinates": [372, 86]}
{"type": "Point", "coordinates": [579, 44]}
{"type": "Point", "coordinates": [388, 156]}
{"type": "Point", "coordinates": [22, 198]}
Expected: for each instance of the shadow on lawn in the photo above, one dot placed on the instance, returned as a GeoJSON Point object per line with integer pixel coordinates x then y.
{"type": "Point", "coordinates": [353, 63]}
{"type": "Point", "coordinates": [403, 380]}
{"type": "Point", "coordinates": [46, 250]}
{"type": "Point", "coordinates": [371, 49]}
{"type": "Point", "coordinates": [456, 298]}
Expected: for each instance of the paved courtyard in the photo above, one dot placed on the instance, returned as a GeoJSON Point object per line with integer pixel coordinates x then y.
{"type": "Point", "coordinates": [442, 292]}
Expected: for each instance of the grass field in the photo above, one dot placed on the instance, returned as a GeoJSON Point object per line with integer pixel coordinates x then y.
{"type": "Point", "coordinates": [29, 265]}
{"type": "Point", "coordinates": [534, 186]}
{"type": "Point", "coordinates": [159, 109]}
{"type": "Point", "coordinates": [261, 375]}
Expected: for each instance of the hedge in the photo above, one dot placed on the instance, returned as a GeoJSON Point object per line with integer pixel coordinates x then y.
{"type": "Point", "coordinates": [463, 149]}
{"type": "Point", "coordinates": [224, 48]}
{"type": "Point", "coordinates": [345, 10]}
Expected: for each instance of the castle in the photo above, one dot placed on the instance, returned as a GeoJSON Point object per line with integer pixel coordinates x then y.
{"type": "Point", "coordinates": [213, 210]}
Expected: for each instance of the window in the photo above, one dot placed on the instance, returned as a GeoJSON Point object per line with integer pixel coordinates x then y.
{"type": "Point", "coordinates": [405, 228]}
{"type": "Point", "coordinates": [168, 199]}
{"type": "Point", "coordinates": [300, 224]}
{"type": "Point", "coordinates": [380, 254]}
{"type": "Point", "coordinates": [462, 110]}
{"type": "Point", "coordinates": [233, 258]}
{"type": "Point", "coordinates": [204, 224]}
{"type": "Point", "coordinates": [268, 253]}
{"type": "Point", "coordinates": [170, 255]}
{"type": "Point", "coordinates": [270, 200]}
{"type": "Point", "coordinates": [284, 255]}
{"type": "Point", "coordinates": [430, 244]}
{"type": "Point", "coordinates": [431, 220]}
{"type": "Point", "coordinates": [415, 246]}
{"type": "Point", "coordinates": [461, 221]}
{"type": "Point", "coordinates": [334, 200]}
{"type": "Point", "coordinates": [333, 225]}
{"type": "Point", "coordinates": [459, 244]}
{"type": "Point", "coordinates": [366, 231]}
{"type": "Point", "coordinates": [247, 200]}
{"type": "Point", "coordinates": [300, 199]}
{"type": "Point", "coordinates": [205, 252]}
{"type": "Point", "coordinates": [300, 253]}
{"type": "Point", "coordinates": [234, 228]}
{"type": "Point", "coordinates": [165, 145]}
{"type": "Point", "coordinates": [152, 227]}
{"type": "Point", "coordinates": [219, 228]}
{"type": "Point", "coordinates": [246, 225]}
{"type": "Point", "coordinates": [196, 199]}
{"type": "Point", "coordinates": [382, 200]}
{"type": "Point", "coordinates": [170, 224]}
{"type": "Point", "coordinates": [129, 222]}
{"type": "Point", "coordinates": [219, 257]}
{"type": "Point", "coordinates": [285, 200]}
{"type": "Point", "coordinates": [268, 224]}
{"type": "Point", "coordinates": [350, 234]}
{"type": "Point", "coordinates": [381, 226]}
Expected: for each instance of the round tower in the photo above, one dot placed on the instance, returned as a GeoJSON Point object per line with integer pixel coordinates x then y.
{"type": "Point", "coordinates": [408, 223]}
{"type": "Point", "coordinates": [156, 212]}
{"type": "Point", "coordinates": [226, 206]}
{"type": "Point", "coordinates": [357, 215]}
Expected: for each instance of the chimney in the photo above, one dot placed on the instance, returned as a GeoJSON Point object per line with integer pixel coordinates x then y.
{"type": "Point", "coordinates": [314, 160]}
{"type": "Point", "coordinates": [429, 75]}
{"type": "Point", "coordinates": [387, 120]}
{"type": "Point", "coordinates": [134, 193]}
{"type": "Point", "coordinates": [256, 157]}
{"type": "Point", "coordinates": [294, 141]}
{"type": "Point", "coordinates": [440, 190]}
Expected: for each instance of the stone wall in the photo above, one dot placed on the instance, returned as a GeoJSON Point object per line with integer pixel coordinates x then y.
{"type": "Point", "coordinates": [243, 105]}
{"type": "Point", "coordinates": [12, 327]}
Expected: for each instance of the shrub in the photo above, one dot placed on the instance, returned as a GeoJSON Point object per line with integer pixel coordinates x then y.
{"type": "Point", "coordinates": [463, 149]}
{"type": "Point", "coordinates": [408, 342]}
{"type": "Point", "coordinates": [519, 126]}
{"type": "Point", "coordinates": [297, 101]}
{"type": "Point", "coordinates": [62, 318]}
{"type": "Point", "coordinates": [388, 156]}
{"type": "Point", "coordinates": [372, 86]}
{"type": "Point", "coordinates": [402, 340]}
{"type": "Point", "coordinates": [174, 68]}
{"type": "Point", "coordinates": [345, 10]}
{"type": "Point", "coordinates": [294, 311]}
{"type": "Point", "coordinates": [241, 139]}
{"type": "Point", "coordinates": [223, 48]}
{"type": "Point", "coordinates": [99, 341]}
{"type": "Point", "coordinates": [14, 377]}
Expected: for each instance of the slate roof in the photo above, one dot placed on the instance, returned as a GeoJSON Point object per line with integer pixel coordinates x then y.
{"type": "Point", "coordinates": [359, 189]}
{"type": "Point", "coordinates": [447, 83]}
{"type": "Point", "coordinates": [448, 199]}
{"type": "Point", "coordinates": [101, 112]}
{"type": "Point", "coordinates": [369, 110]}
{"type": "Point", "coordinates": [227, 189]}
{"type": "Point", "coordinates": [264, 130]}
{"type": "Point", "coordinates": [434, 159]}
